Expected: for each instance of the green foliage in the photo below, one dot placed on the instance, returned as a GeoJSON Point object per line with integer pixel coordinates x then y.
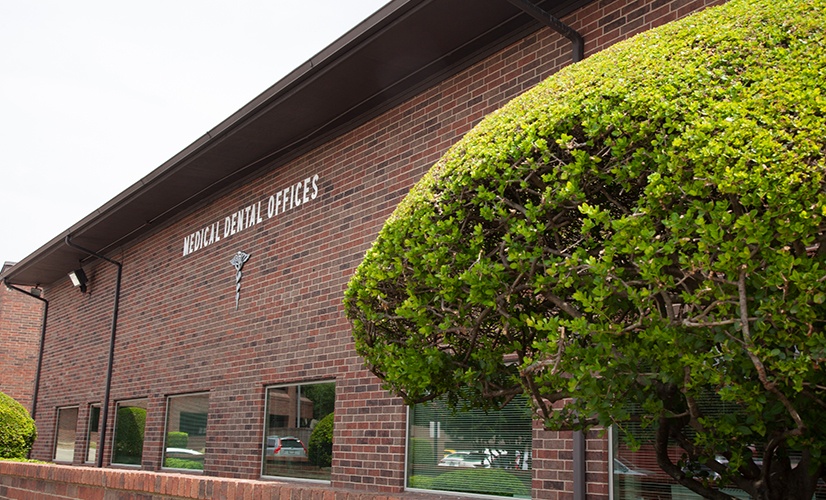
{"type": "Point", "coordinates": [421, 482]}
{"type": "Point", "coordinates": [17, 429]}
{"type": "Point", "coordinates": [177, 439]}
{"type": "Point", "coordinates": [183, 463]}
{"type": "Point", "coordinates": [421, 451]}
{"type": "Point", "coordinates": [481, 481]}
{"type": "Point", "coordinates": [131, 421]}
{"type": "Point", "coordinates": [323, 397]}
{"type": "Point", "coordinates": [320, 447]}
{"type": "Point", "coordinates": [24, 460]}
{"type": "Point", "coordinates": [641, 229]}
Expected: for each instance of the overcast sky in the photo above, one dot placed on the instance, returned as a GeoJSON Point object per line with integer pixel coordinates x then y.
{"type": "Point", "coordinates": [96, 94]}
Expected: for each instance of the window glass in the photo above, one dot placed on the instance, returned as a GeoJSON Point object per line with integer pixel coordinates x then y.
{"type": "Point", "coordinates": [298, 431]}
{"type": "Point", "coordinates": [471, 451]}
{"type": "Point", "coordinates": [186, 428]}
{"type": "Point", "coordinates": [130, 421]}
{"type": "Point", "coordinates": [66, 434]}
{"type": "Point", "coordinates": [635, 470]}
{"type": "Point", "coordinates": [92, 433]}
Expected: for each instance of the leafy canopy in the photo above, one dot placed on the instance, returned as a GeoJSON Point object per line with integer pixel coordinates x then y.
{"type": "Point", "coordinates": [641, 230]}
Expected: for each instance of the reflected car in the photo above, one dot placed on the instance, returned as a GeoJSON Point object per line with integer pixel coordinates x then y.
{"type": "Point", "coordinates": [285, 446]}
{"type": "Point", "coordinates": [183, 453]}
{"type": "Point", "coordinates": [477, 459]}
{"type": "Point", "coordinates": [624, 469]}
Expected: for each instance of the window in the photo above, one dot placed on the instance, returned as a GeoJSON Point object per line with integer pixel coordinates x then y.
{"type": "Point", "coordinates": [130, 421]}
{"type": "Point", "coordinates": [635, 470]}
{"type": "Point", "coordinates": [298, 431]}
{"type": "Point", "coordinates": [471, 451]}
{"type": "Point", "coordinates": [93, 433]}
{"type": "Point", "coordinates": [64, 450]}
{"type": "Point", "coordinates": [186, 429]}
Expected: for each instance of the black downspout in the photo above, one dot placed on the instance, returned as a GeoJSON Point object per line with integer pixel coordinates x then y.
{"type": "Point", "coordinates": [577, 54]}
{"type": "Point", "coordinates": [42, 340]}
{"type": "Point", "coordinates": [579, 465]}
{"type": "Point", "coordinates": [104, 415]}
{"type": "Point", "coordinates": [577, 41]}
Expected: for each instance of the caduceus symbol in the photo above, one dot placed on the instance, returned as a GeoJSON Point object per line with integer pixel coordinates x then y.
{"type": "Point", "coordinates": [238, 263]}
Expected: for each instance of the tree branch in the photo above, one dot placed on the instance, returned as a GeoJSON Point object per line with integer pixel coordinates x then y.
{"type": "Point", "coordinates": [758, 364]}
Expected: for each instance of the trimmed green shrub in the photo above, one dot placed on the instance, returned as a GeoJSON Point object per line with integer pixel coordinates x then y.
{"type": "Point", "coordinates": [641, 229]}
{"type": "Point", "coordinates": [482, 482]}
{"type": "Point", "coordinates": [422, 451]}
{"type": "Point", "coordinates": [183, 463]}
{"type": "Point", "coordinates": [17, 429]}
{"type": "Point", "coordinates": [320, 447]}
{"type": "Point", "coordinates": [421, 482]}
{"type": "Point", "coordinates": [131, 421]}
{"type": "Point", "coordinates": [177, 439]}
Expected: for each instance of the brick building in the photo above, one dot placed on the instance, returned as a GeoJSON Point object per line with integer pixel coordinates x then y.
{"type": "Point", "coordinates": [206, 332]}
{"type": "Point", "coordinates": [20, 328]}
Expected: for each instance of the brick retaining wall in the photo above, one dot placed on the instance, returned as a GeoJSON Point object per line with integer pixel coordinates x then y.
{"type": "Point", "coordinates": [31, 481]}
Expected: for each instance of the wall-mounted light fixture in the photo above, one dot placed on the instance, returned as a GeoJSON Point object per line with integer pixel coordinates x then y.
{"type": "Point", "coordinates": [79, 278]}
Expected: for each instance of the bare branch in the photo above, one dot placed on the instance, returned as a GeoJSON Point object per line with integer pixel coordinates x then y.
{"type": "Point", "coordinates": [758, 364]}
{"type": "Point", "coordinates": [709, 324]}
{"type": "Point", "coordinates": [555, 361]}
{"type": "Point", "coordinates": [563, 305]}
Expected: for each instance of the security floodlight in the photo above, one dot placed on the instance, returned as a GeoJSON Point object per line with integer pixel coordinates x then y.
{"type": "Point", "coordinates": [79, 278]}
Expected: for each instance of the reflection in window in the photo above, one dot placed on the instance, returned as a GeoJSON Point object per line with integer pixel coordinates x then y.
{"type": "Point", "coordinates": [92, 433]}
{"type": "Point", "coordinates": [130, 422]}
{"type": "Point", "coordinates": [635, 470]}
{"type": "Point", "coordinates": [66, 433]}
{"type": "Point", "coordinates": [471, 451]}
{"type": "Point", "coordinates": [299, 431]}
{"type": "Point", "coordinates": [186, 428]}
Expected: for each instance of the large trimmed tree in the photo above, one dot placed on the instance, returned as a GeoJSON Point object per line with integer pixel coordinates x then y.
{"type": "Point", "coordinates": [641, 232]}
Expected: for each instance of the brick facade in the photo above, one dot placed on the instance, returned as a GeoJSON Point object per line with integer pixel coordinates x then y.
{"type": "Point", "coordinates": [179, 331]}
{"type": "Point", "coordinates": [20, 327]}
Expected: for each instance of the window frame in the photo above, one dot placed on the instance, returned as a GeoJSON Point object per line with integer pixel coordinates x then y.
{"type": "Point", "coordinates": [118, 405]}
{"type": "Point", "coordinates": [266, 429]}
{"type": "Point", "coordinates": [169, 400]}
{"type": "Point", "coordinates": [56, 443]}
{"type": "Point", "coordinates": [493, 457]}
{"type": "Point", "coordinates": [88, 438]}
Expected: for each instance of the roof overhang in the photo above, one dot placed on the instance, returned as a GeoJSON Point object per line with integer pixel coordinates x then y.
{"type": "Point", "coordinates": [403, 48]}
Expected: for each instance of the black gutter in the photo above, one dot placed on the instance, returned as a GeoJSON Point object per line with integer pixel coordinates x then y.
{"type": "Point", "coordinates": [578, 42]}
{"type": "Point", "coordinates": [42, 340]}
{"type": "Point", "coordinates": [104, 415]}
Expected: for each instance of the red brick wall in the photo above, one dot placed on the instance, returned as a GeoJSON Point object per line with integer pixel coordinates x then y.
{"type": "Point", "coordinates": [20, 320]}
{"type": "Point", "coordinates": [179, 331]}
{"type": "Point", "coordinates": [59, 482]}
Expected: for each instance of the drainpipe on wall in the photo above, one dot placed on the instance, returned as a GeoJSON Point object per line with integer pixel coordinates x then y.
{"type": "Point", "coordinates": [42, 340]}
{"type": "Point", "coordinates": [577, 41]}
{"type": "Point", "coordinates": [577, 54]}
{"type": "Point", "coordinates": [579, 465]}
{"type": "Point", "coordinates": [104, 414]}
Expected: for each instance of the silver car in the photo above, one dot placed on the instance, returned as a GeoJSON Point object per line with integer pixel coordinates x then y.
{"type": "Point", "coordinates": [286, 446]}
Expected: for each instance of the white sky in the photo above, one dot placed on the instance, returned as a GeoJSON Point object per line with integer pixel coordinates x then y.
{"type": "Point", "coordinates": [95, 94]}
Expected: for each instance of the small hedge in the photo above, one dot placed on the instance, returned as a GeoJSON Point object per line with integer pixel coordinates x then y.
{"type": "Point", "coordinates": [183, 463]}
{"type": "Point", "coordinates": [320, 447]}
{"type": "Point", "coordinates": [422, 451]}
{"type": "Point", "coordinates": [17, 429]}
{"type": "Point", "coordinates": [177, 439]}
{"type": "Point", "coordinates": [421, 482]}
{"type": "Point", "coordinates": [129, 435]}
{"type": "Point", "coordinates": [482, 482]}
